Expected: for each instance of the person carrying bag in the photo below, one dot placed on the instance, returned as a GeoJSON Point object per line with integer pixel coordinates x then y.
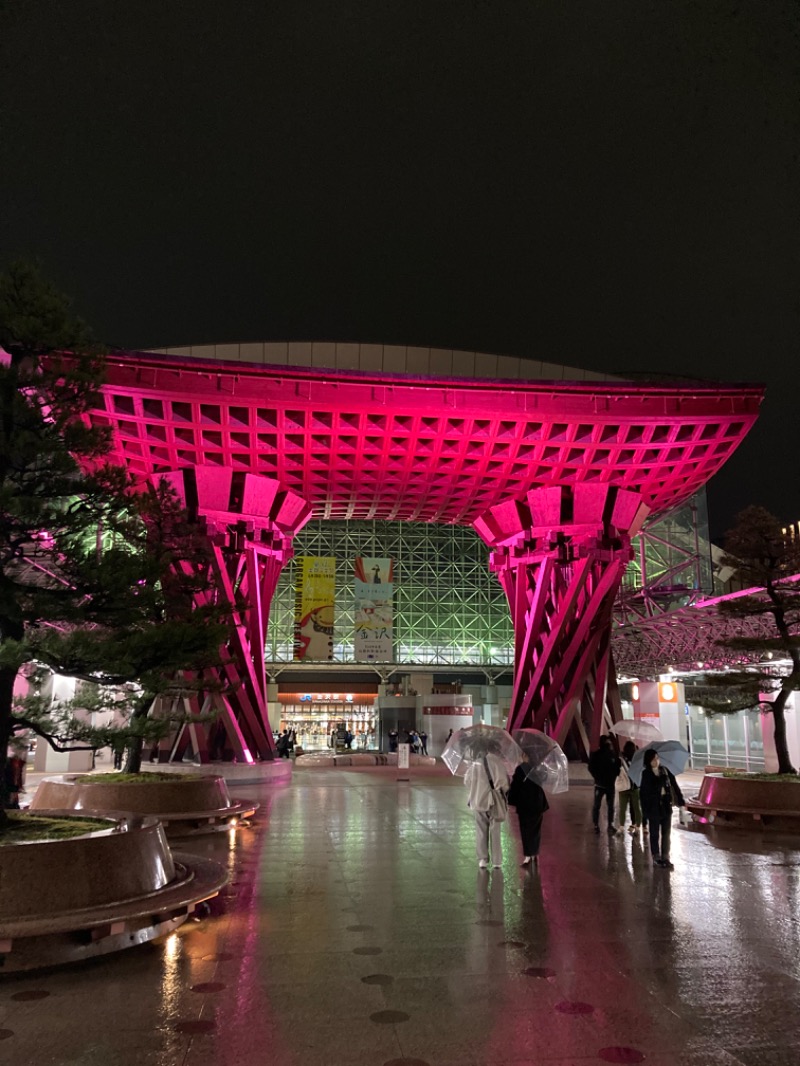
{"type": "Point", "coordinates": [627, 792]}
{"type": "Point", "coordinates": [498, 800]}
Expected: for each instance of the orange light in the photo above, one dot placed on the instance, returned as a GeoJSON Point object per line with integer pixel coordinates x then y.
{"type": "Point", "coordinates": [635, 692]}
{"type": "Point", "coordinates": [667, 692]}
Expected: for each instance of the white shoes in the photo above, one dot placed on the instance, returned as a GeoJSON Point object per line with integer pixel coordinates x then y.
{"type": "Point", "coordinates": [483, 864]}
{"type": "Point", "coordinates": [497, 866]}
{"type": "Point", "coordinates": [526, 861]}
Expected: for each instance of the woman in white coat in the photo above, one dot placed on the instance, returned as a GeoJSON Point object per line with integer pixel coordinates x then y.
{"type": "Point", "coordinates": [488, 783]}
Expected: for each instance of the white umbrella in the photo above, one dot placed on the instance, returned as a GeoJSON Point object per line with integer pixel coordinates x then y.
{"type": "Point", "coordinates": [547, 764]}
{"type": "Point", "coordinates": [473, 744]}
{"type": "Point", "coordinates": [638, 731]}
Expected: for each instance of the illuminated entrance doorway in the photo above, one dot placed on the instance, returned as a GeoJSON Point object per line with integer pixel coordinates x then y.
{"type": "Point", "coordinates": [315, 716]}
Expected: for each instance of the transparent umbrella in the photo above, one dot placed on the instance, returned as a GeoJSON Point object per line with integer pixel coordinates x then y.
{"type": "Point", "coordinates": [547, 763]}
{"type": "Point", "coordinates": [639, 732]}
{"type": "Point", "coordinates": [671, 753]}
{"type": "Point", "coordinates": [473, 744]}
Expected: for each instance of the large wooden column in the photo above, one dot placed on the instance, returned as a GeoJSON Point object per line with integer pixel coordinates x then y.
{"type": "Point", "coordinates": [560, 555]}
{"type": "Point", "coordinates": [250, 523]}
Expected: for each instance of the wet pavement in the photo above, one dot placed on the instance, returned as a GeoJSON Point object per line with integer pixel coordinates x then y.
{"type": "Point", "coordinates": [358, 930]}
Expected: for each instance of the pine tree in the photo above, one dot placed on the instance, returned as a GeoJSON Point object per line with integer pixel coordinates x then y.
{"type": "Point", "coordinates": [89, 561]}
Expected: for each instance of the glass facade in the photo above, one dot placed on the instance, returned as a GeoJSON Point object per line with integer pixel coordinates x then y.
{"type": "Point", "coordinates": [671, 561]}
{"type": "Point", "coordinates": [449, 609]}
{"type": "Point", "coordinates": [733, 740]}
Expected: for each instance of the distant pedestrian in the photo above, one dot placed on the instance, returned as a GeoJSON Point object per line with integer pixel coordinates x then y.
{"type": "Point", "coordinates": [10, 786]}
{"type": "Point", "coordinates": [118, 748]}
{"type": "Point", "coordinates": [393, 738]}
{"type": "Point", "coordinates": [627, 792]}
{"type": "Point", "coordinates": [659, 793]}
{"type": "Point", "coordinates": [604, 767]}
{"type": "Point", "coordinates": [423, 742]}
{"type": "Point", "coordinates": [531, 803]}
{"type": "Point", "coordinates": [283, 744]}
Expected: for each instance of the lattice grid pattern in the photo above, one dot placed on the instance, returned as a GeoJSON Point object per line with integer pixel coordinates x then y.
{"type": "Point", "coordinates": [398, 448]}
{"type": "Point", "coordinates": [684, 639]}
{"type": "Point", "coordinates": [449, 608]}
{"type": "Point", "coordinates": [671, 565]}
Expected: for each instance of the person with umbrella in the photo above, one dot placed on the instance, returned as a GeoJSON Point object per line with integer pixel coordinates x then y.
{"type": "Point", "coordinates": [527, 795]}
{"type": "Point", "coordinates": [659, 793]}
{"type": "Point", "coordinates": [488, 784]}
{"type": "Point", "coordinates": [482, 754]}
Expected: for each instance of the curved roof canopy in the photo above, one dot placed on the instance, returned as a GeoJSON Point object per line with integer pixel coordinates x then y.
{"type": "Point", "coordinates": [374, 445]}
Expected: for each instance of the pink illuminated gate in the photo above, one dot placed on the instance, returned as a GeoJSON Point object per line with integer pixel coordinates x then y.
{"type": "Point", "coordinates": [556, 476]}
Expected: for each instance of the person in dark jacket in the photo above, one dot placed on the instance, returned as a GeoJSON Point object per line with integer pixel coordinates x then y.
{"type": "Point", "coordinates": [531, 803]}
{"type": "Point", "coordinates": [659, 793]}
{"type": "Point", "coordinates": [604, 767]}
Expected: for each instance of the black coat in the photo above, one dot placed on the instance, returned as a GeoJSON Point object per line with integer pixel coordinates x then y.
{"type": "Point", "coordinates": [659, 792]}
{"type": "Point", "coordinates": [604, 767]}
{"type": "Point", "coordinates": [526, 795]}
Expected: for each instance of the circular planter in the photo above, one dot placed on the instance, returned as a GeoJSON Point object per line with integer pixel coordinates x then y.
{"type": "Point", "coordinates": [66, 900]}
{"type": "Point", "coordinates": [327, 760]}
{"type": "Point", "coordinates": [744, 801]}
{"type": "Point", "coordinates": [187, 806]}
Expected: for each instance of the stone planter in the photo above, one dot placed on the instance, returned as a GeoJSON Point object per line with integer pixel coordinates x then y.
{"type": "Point", "coordinates": [66, 900]}
{"type": "Point", "coordinates": [327, 760]}
{"type": "Point", "coordinates": [187, 806]}
{"type": "Point", "coordinates": [744, 801]}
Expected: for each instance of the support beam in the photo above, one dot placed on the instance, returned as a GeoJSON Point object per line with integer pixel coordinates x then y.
{"type": "Point", "coordinates": [250, 523]}
{"type": "Point", "coordinates": [560, 555]}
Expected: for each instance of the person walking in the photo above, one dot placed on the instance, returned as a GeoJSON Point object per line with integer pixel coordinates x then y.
{"type": "Point", "coordinates": [531, 803]}
{"type": "Point", "coordinates": [604, 767]}
{"type": "Point", "coordinates": [659, 793]}
{"type": "Point", "coordinates": [118, 745]}
{"type": "Point", "coordinates": [487, 781]}
{"type": "Point", "coordinates": [10, 785]}
{"type": "Point", "coordinates": [423, 742]}
{"type": "Point", "coordinates": [627, 792]}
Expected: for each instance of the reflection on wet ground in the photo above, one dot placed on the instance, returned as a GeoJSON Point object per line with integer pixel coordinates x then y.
{"type": "Point", "coordinates": [357, 929]}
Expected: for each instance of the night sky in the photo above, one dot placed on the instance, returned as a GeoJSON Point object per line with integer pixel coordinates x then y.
{"type": "Point", "coordinates": [606, 183]}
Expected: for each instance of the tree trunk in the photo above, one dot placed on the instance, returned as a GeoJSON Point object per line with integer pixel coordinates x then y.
{"type": "Point", "coordinates": [7, 678]}
{"type": "Point", "coordinates": [133, 764]}
{"type": "Point", "coordinates": [779, 721]}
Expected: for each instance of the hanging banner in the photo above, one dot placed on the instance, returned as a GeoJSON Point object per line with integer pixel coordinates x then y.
{"type": "Point", "coordinates": [374, 610]}
{"type": "Point", "coordinates": [315, 596]}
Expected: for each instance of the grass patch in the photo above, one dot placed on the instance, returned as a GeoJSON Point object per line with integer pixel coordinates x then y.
{"type": "Point", "coordinates": [134, 779]}
{"type": "Point", "coordinates": [786, 778]}
{"type": "Point", "coordinates": [24, 828]}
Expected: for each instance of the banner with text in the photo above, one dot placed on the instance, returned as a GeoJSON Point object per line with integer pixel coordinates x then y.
{"type": "Point", "coordinates": [374, 610]}
{"type": "Point", "coordinates": [314, 600]}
